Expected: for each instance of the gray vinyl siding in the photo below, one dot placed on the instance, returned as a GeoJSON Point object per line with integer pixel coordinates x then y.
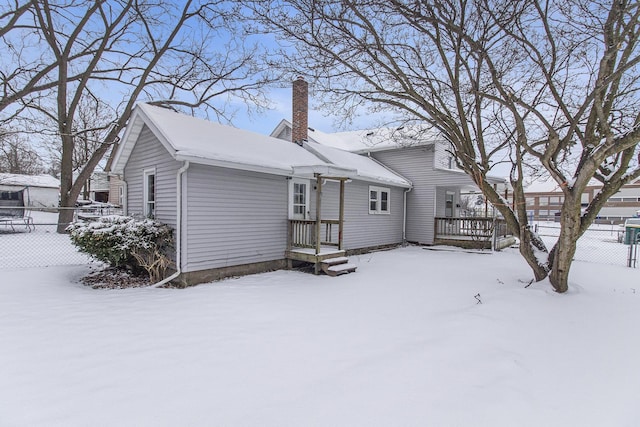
{"type": "Point", "coordinates": [362, 229]}
{"type": "Point", "coordinates": [148, 153]}
{"type": "Point", "coordinates": [415, 164]}
{"type": "Point", "coordinates": [233, 217]}
{"type": "Point", "coordinates": [426, 199]}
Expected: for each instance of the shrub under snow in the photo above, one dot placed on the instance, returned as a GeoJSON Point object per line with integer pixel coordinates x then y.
{"type": "Point", "coordinates": [125, 242]}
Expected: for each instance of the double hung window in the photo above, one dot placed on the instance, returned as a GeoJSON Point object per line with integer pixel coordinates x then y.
{"type": "Point", "coordinates": [378, 200]}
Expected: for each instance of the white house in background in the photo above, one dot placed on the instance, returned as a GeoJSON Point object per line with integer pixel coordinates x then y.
{"type": "Point", "coordinates": [242, 202]}
{"type": "Point", "coordinates": [41, 191]}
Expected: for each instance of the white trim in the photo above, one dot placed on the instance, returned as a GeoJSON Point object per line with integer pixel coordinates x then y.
{"type": "Point", "coordinates": [146, 173]}
{"type": "Point", "coordinates": [379, 191]}
{"type": "Point", "coordinates": [307, 182]}
{"type": "Point", "coordinates": [288, 171]}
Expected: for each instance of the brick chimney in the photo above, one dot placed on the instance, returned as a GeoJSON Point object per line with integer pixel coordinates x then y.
{"type": "Point", "coordinates": [300, 119]}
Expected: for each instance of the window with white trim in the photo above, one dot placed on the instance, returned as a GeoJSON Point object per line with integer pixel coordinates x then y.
{"type": "Point", "coordinates": [379, 200]}
{"type": "Point", "coordinates": [149, 190]}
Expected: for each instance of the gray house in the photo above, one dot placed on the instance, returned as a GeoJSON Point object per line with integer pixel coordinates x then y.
{"type": "Point", "coordinates": [242, 202]}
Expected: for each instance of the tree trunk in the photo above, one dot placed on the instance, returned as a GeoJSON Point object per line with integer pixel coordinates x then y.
{"type": "Point", "coordinates": [67, 198]}
{"type": "Point", "coordinates": [565, 248]}
{"type": "Point", "coordinates": [530, 246]}
{"type": "Point", "coordinates": [65, 217]}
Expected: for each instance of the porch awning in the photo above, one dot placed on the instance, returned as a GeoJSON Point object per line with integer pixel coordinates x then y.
{"type": "Point", "coordinates": [324, 170]}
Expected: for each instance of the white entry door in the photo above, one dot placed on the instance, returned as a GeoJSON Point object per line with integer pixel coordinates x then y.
{"type": "Point", "coordinates": [449, 204]}
{"type": "Point", "coordinates": [299, 198]}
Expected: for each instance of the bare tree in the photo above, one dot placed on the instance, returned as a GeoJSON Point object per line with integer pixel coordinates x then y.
{"type": "Point", "coordinates": [191, 54]}
{"type": "Point", "coordinates": [17, 157]}
{"type": "Point", "coordinates": [551, 85]}
{"type": "Point", "coordinates": [90, 128]}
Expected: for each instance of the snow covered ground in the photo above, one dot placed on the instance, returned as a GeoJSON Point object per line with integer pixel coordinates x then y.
{"type": "Point", "coordinates": [402, 342]}
{"type": "Point", "coordinates": [40, 247]}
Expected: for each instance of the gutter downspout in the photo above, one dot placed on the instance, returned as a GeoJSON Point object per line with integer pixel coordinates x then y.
{"type": "Point", "coordinates": [404, 217]}
{"type": "Point", "coordinates": [181, 171]}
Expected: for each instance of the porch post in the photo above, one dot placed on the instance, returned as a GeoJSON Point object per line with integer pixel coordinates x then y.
{"type": "Point", "coordinates": [341, 217]}
{"type": "Point", "coordinates": [316, 268]}
{"type": "Point", "coordinates": [318, 211]}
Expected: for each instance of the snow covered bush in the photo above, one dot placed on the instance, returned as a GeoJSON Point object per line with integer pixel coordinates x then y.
{"type": "Point", "coordinates": [125, 242]}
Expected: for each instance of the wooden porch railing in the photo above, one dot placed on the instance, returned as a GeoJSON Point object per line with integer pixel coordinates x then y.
{"type": "Point", "coordinates": [468, 228]}
{"type": "Point", "coordinates": [302, 233]}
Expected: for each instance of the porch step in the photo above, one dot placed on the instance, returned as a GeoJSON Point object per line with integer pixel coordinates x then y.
{"type": "Point", "coordinates": [336, 261]}
{"type": "Point", "coordinates": [338, 266]}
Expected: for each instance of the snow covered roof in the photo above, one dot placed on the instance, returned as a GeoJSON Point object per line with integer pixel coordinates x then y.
{"type": "Point", "coordinates": [367, 168]}
{"type": "Point", "coordinates": [371, 140]}
{"type": "Point", "coordinates": [201, 141]}
{"type": "Point", "coordinates": [44, 181]}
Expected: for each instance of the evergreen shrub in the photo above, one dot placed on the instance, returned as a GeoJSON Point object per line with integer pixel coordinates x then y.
{"type": "Point", "coordinates": [124, 242]}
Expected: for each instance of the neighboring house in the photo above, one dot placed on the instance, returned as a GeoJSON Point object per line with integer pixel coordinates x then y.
{"type": "Point", "coordinates": [42, 191]}
{"type": "Point", "coordinates": [116, 190]}
{"type": "Point", "coordinates": [545, 198]}
{"type": "Point", "coordinates": [99, 187]}
{"type": "Point", "coordinates": [95, 188]}
{"type": "Point", "coordinates": [433, 205]}
{"type": "Point", "coordinates": [242, 202]}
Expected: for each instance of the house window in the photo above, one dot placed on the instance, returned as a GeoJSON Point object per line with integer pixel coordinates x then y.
{"type": "Point", "coordinates": [121, 195]}
{"type": "Point", "coordinates": [378, 200]}
{"type": "Point", "coordinates": [149, 189]}
{"type": "Point", "coordinates": [298, 198]}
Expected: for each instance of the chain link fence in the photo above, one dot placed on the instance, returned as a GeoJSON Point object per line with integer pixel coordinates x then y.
{"type": "Point", "coordinates": [29, 238]}
{"type": "Point", "coordinates": [601, 243]}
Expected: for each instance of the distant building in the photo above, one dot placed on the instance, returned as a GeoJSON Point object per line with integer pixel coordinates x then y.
{"type": "Point", "coordinates": [43, 191]}
{"type": "Point", "coordinates": [545, 198]}
{"type": "Point", "coordinates": [99, 187]}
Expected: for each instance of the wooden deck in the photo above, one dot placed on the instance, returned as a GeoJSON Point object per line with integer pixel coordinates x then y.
{"type": "Point", "coordinates": [309, 254]}
{"type": "Point", "coordinates": [472, 232]}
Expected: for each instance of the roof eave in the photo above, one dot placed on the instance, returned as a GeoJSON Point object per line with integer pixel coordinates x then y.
{"type": "Point", "coordinates": [234, 165]}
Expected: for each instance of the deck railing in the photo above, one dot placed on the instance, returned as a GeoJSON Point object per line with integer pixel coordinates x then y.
{"type": "Point", "coordinates": [464, 228]}
{"type": "Point", "coordinates": [302, 233]}
{"type": "Point", "coordinates": [470, 228]}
